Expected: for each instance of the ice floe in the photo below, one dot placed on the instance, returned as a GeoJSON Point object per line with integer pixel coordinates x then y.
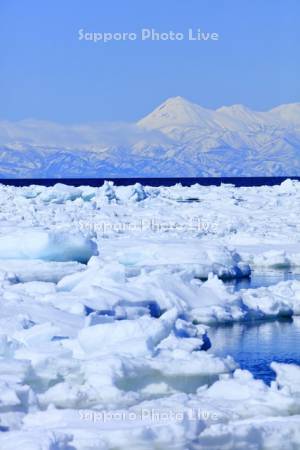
{"type": "Point", "coordinates": [46, 245]}
{"type": "Point", "coordinates": [106, 297]}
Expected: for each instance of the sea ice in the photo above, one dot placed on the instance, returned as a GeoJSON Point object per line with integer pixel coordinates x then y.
{"type": "Point", "coordinates": [106, 297]}
{"type": "Point", "coordinates": [46, 245]}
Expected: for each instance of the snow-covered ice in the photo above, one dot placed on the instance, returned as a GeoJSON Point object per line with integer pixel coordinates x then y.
{"type": "Point", "coordinates": [106, 298]}
{"type": "Point", "coordinates": [46, 245]}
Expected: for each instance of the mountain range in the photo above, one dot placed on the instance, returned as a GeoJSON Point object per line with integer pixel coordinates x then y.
{"type": "Point", "coordinates": [177, 139]}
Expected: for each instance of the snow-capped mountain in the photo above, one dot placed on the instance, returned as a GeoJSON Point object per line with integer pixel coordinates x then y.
{"type": "Point", "coordinates": [179, 138]}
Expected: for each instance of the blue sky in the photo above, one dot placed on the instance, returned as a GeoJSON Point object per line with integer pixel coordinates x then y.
{"type": "Point", "coordinates": [47, 73]}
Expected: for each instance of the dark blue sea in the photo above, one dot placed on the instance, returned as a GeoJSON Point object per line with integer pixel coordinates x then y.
{"type": "Point", "coordinates": [254, 345]}
{"type": "Point", "coordinates": [204, 181]}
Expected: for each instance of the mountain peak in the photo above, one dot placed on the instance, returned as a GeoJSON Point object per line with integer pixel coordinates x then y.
{"type": "Point", "coordinates": [289, 113]}
{"type": "Point", "coordinates": [178, 100]}
{"type": "Point", "coordinates": [177, 111]}
{"type": "Point", "coordinates": [176, 103]}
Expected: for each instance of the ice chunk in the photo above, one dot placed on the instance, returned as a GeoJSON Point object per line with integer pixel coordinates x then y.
{"type": "Point", "coordinates": [39, 270]}
{"type": "Point", "coordinates": [33, 243]}
{"type": "Point", "coordinates": [190, 255]}
{"type": "Point", "coordinates": [288, 376]}
{"type": "Point", "coordinates": [135, 193]}
{"type": "Point", "coordinates": [60, 193]}
{"type": "Point", "coordinates": [132, 337]}
{"type": "Point", "coordinates": [35, 440]}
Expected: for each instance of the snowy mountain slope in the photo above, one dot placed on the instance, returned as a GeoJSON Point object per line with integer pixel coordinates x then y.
{"type": "Point", "coordinates": [237, 125]}
{"type": "Point", "coordinates": [178, 138]}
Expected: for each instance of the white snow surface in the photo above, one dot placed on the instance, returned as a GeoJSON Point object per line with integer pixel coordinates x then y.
{"type": "Point", "coordinates": [106, 297]}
